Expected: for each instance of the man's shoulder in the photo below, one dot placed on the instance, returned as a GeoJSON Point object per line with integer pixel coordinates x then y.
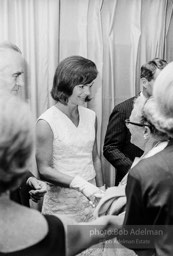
{"type": "Point", "coordinates": [125, 102]}
{"type": "Point", "coordinates": [125, 106]}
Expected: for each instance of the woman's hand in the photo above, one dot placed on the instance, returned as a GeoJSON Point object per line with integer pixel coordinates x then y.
{"type": "Point", "coordinates": [89, 190]}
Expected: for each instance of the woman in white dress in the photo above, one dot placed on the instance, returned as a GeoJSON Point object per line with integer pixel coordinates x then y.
{"type": "Point", "coordinates": [67, 155]}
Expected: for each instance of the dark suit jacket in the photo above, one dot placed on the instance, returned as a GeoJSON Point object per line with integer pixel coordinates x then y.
{"type": "Point", "coordinates": [21, 194]}
{"type": "Point", "coordinates": [149, 194]}
{"type": "Point", "coordinates": [117, 148]}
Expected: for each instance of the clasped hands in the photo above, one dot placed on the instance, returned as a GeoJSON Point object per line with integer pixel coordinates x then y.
{"type": "Point", "coordinates": [38, 190]}
{"type": "Point", "coordinates": [89, 190]}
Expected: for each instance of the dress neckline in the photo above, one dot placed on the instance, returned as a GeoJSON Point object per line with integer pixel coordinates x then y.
{"type": "Point", "coordinates": [67, 118]}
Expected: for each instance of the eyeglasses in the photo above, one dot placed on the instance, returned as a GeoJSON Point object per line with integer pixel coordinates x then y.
{"type": "Point", "coordinates": [127, 122]}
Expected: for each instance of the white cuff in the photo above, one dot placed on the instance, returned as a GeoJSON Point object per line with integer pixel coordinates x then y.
{"type": "Point", "coordinates": [103, 188]}
{"type": "Point", "coordinates": [84, 186]}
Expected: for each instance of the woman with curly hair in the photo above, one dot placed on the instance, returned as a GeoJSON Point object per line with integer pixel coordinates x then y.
{"type": "Point", "coordinates": [150, 183]}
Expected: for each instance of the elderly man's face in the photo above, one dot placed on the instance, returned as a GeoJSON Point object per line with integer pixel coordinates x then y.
{"type": "Point", "coordinates": [11, 70]}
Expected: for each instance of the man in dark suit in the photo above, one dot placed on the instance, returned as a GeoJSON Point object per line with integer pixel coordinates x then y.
{"type": "Point", "coordinates": [118, 149]}
{"type": "Point", "coordinates": [11, 73]}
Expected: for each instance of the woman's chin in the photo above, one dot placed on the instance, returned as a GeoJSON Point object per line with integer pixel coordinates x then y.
{"type": "Point", "coordinates": [81, 102]}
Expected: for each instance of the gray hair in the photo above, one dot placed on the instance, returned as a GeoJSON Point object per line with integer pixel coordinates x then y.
{"type": "Point", "coordinates": [159, 111]}
{"type": "Point", "coordinates": [142, 113]}
{"type": "Point", "coordinates": [137, 110]}
{"type": "Point", "coordinates": [16, 140]}
{"type": "Point", "coordinates": [149, 111]}
{"type": "Point", "coordinates": [9, 45]}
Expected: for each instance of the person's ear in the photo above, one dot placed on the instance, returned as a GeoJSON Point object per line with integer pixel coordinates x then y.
{"type": "Point", "coordinates": [144, 81]}
{"type": "Point", "coordinates": [147, 132]}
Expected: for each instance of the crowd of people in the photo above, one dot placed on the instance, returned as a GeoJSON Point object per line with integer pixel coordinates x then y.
{"type": "Point", "coordinates": [77, 211]}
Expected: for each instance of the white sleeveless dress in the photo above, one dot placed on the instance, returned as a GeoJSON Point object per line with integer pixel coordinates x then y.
{"type": "Point", "coordinates": [72, 155]}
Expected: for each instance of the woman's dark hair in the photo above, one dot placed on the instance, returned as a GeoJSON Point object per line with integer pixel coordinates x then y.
{"type": "Point", "coordinates": [70, 72]}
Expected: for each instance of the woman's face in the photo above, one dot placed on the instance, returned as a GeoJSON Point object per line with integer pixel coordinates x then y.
{"type": "Point", "coordinates": [137, 132]}
{"type": "Point", "coordinates": [137, 135]}
{"type": "Point", "coordinates": [80, 94]}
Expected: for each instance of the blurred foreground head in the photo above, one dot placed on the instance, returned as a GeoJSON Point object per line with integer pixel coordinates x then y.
{"type": "Point", "coordinates": [16, 140]}
{"type": "Point", "coordinates": [159, 110]}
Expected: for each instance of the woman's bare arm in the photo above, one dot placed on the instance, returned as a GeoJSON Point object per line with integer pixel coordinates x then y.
{"type": "Point", "coordinates": [44, 155]}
